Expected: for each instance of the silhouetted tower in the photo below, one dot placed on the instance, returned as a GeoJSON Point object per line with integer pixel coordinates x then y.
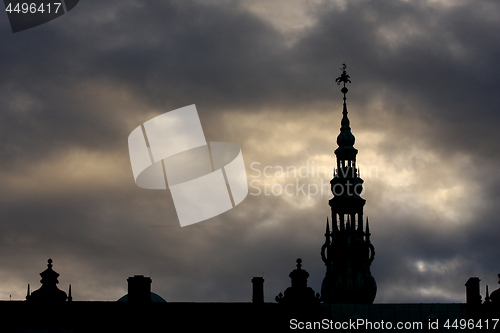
{"type": "Point", "coordinates": [347, 252]}
{"type": "Point", "coordinates": [299, 293]}
{"type": "Point", "coordinates": [48, 292]}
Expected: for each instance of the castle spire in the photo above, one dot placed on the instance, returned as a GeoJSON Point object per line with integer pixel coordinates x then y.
{"type": "Point", "coordinates": [349, 253]}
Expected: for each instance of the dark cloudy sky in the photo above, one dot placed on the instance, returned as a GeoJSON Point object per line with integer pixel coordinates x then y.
{"type": "Point", "coordinates": [423, 104]}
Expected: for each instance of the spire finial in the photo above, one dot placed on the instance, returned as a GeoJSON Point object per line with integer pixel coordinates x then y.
{"type": "Point", "coordinates": [345, 138]}
{"type": "Point", "coordinates": [344, 78]}
{"type": "Point", "coordinates": [299, 263]}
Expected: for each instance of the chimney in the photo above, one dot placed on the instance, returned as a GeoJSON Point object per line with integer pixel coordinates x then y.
{"type": "Point", "coordinates": [472, 291]}
{"type": "Point", "coordinates": [139, 289]}
{"type": "Point", "coordinates": [258, 290]}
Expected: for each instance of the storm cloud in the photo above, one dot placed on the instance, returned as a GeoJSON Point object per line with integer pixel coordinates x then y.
{"type": "Point", "coordinates": [423, 106]}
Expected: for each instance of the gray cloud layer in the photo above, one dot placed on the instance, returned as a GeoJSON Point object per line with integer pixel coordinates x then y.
{"type": "Point", "coordinates": [423, 106]}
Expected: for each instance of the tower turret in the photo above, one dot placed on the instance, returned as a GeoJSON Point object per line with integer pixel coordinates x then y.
{"type": "Point", "coordinates": [48, 292]}
{"type": "Point", "coordinates": [299, 293]}
{"type": "Point", "coordinates": [347, 251]}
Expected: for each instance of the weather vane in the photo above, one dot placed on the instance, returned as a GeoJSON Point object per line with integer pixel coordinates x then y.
{"type": "Point", "coordinates": [344, 77]}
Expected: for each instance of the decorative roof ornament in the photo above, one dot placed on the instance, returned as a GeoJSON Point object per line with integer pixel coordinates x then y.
{"type": "Point", "coordinates": [343, 78]}
{"type": "Point", "coordinates": [345, 138]}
